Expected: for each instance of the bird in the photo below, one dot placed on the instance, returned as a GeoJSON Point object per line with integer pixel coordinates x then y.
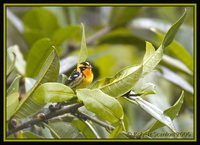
{"type": "Point", "coordinates": [81, 76]}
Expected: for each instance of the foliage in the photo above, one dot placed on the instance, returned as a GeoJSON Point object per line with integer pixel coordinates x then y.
{"type": "Point", "coordinates": [131, 90]}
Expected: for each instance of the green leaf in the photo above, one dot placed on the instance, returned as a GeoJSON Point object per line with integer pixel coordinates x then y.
{"type": "Point", "coordinates": [149, 51]}
{"type": "Point", "coordinates": [122, 15]}
{"type": "Point", "coordinates": [121, 83]}
{"type": "Point", "coordinates": [156, 57]}
{"type": "Point", "coordinates": [64, 130]}
{"type": "Point", "coordinates": [66, 33]}
{"type": "Point", "coordinates": [10, 64]}
{"type": "Point", "coordinates": [172, 31]}
{"type": "Point", "coordinates": [104, 106]}
{"type": "Point", "coordinates": [14, 87]}
{"type": "Point", "coordinates": [37, 56]}
{"type": "Point", "coordinates": [29, 135]}
{"type": "Point", "coordinates": [147, 89]}
{"type": "Point", "coordinates": [151, 57]}
{"type": "Point", "coordinates": [83, 128]}
{"type": "Point", "coordinates": [176, 49]}
{"type": "Point", "coordinates": [48, 73]}
{"type": "Point", "coordinates": [83, 50]}
{"type": "Point", "coordinates": [20, 63]}
{"type": "Point", "coordinates": [52, 92]}
{"type": "Point", "coordinates": [12, 103]}
{"type": "Point", "coordinates": [116, 131]}
{"type": "Point", "coordinates": [154, 112]}
{"type": "Point", "coordinates": [172, 112]}
{"type": "Point", "coordinates": [39, 23]}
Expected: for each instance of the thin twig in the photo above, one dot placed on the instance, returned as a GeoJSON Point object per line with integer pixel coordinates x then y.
{"type": "Point", "coordinates": [47, 117]}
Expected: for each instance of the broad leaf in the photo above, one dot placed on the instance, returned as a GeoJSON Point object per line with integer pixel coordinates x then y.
{"type": "Point", "coordinates": [12, 103]}
{"type": "Point", "coordinates": [17, 58]}
{"type": "Point", "coordinates": [48, 73]}
{"type": "Point", "coordinates": [14, 87]}
{"type": "Point", "coordinates": [154, 112]}
{"type": "Point", "coordinates": [172, 112]}
{"type": "Point", "coordinates": [30, 135]}
{"type": "Point", "coordinates": [10, 64]}
{"type": "Point", "coordinates": [39, 23]}
{"type": "Point", "coordinates": [52, 92]}
{"type": "Point", "coordinates": [156, 57]}
{"type": "Point", "coordinates": [149, 51]}
{"type": "Point", "coordinates": [64, 130]}
{"type": "Point", "coordinates": [176, 49]}
{"type": "Point", "coordinates": [83, 50]}
{"type": "Point", "coordinates": [151, 57]}
{"type": "Point", "coordinates": [104, 106]}
{"type": "Point", "coordinates": [169, 37]}
{"type": "Point", "coordinates": [116, 131]}
{"type": "Point", "coordinates": [37, 56]}
{"type": "Point", "coordinates": [83, 128]}
{"type": "Point", "coordinates": [121, 83]}
{"type": "Point", "coordinates": [122, 15]}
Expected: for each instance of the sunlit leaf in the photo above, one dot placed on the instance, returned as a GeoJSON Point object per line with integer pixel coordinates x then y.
{"type": "Point", "coordinates": [151, 58]}
{"type": "Point", "coordinates": [12, 103]}
{"type": "Point", "coordinates": [20, 63]}
{"type": "Point", "coordinates": [83, 128]}
{"type": "Point", "coordinates": [10, 64]}
{"type": "Point", "coordinates": [52, 92]}
{"type": "Point", "coordinates": [14, 87]}
{"type": "Point", "coordinates": [116, 131]}
{"type": "Point", "coordinates": [83, 50]}
{"type": "Point", "coordinates": [172, 112]}
{"type": "Point", "coordinates": [178, 51]}
{"type": "Point", "coordinates": [173, 30]}
{"type": "Point", "coordinates": [37, 56]}
{"type": "Point", "coordinates": [155, 112]}
{"type": "Point", "coordinates": [48, 73]}
{"type": "Point", "coordinates": [29, 135]}
{"type": "Point", "coordinates": [121, 83]}
{"type": "Point", "coordinates": [148, 88]}
{"type": "Point", "coordinates": [104, 106]}
{"type": "Point", "coordinates": [64, 130]}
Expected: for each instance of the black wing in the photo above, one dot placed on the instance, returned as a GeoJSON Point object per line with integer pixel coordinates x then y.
{"type": "Point", "coordinates": [72, 77]}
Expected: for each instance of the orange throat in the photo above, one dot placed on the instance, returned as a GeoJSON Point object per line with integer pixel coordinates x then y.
{"type": "Point", "coordinates": [88, 75]}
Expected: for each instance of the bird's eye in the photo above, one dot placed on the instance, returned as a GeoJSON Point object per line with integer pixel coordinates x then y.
{"type": "Point", "coordinates": [83, 68]}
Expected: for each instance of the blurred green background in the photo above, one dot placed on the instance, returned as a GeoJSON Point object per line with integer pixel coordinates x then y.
{"type": "Point", "coordinates": [115, 39]}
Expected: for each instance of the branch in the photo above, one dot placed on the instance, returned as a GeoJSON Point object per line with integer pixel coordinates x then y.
{"type": "Point", "coordinates": [46, 117]}
{"type": "Point", "coordinates": [84, 116]}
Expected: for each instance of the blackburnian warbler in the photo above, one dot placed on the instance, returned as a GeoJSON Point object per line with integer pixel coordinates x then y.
{"type": "Point", "coordinates": [81, 77]}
